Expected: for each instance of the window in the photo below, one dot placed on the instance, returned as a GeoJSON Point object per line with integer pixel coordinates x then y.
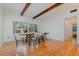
{"type": "Point", "coordinates": [24, 27]}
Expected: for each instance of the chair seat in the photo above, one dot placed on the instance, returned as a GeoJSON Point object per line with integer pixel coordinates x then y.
{"type": "Point", "coordinates": [20, 37]}
{"type": "Point", "coordinates": [33, 38]}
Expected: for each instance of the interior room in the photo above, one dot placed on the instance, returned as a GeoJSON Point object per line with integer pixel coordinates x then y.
{"type": "Point", "coordinates": [39, 29]}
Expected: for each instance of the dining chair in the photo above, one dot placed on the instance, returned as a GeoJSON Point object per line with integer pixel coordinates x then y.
{"type": "Point", "coordinates": [18, 38]}
{"type": "Point", "coordinates": [41, 38]}
{"type": "Point", "coordinates": [35, 38]}
{"type": "Point", "coordinates": [28, 39]}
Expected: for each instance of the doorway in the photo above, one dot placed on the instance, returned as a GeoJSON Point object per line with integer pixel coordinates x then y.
{"type": "Point", "coordinates": [70, 31]}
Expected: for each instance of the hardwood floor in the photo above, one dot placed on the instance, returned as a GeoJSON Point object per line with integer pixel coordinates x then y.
{"type": "Point", "coordinates": [48, 48]}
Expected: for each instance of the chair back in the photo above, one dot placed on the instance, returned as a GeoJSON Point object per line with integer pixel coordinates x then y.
{"type": "Point", "coordinates": [35, 34]}
{"type": "Point", "coordinates": [17, 37]}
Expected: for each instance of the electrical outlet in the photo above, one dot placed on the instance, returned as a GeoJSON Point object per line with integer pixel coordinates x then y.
{"type": "Point", "coordinates": [8, 36]}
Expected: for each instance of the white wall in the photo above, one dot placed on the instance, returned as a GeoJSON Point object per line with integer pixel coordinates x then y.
{"type": "Point", "coordinates": [53, 21]}
{"type": "Point", "coordinates": [54, 26]}
{"type": "Point", "coordinates": [9, 18]}
{"type": "Point", "coordinates": [1, 26]}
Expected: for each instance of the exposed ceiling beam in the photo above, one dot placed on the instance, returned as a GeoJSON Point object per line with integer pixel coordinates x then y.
{"type": "Point", "coordinates": [25, 8]}
{"type": "Point", "coordinates": [48, 9]}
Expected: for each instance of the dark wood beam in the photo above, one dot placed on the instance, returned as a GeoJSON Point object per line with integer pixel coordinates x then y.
{"type": "Point", "coordinates": [25, 8]}
{"type": "Point", "coordinates": [48, 9]}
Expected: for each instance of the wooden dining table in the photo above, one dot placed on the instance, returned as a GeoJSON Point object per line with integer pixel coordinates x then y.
{"type": "Point", "coordinates": [31, 34]}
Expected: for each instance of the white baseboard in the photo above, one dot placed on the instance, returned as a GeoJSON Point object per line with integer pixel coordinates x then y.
{"type": "Point", "coordinates": [8, 41]}
{"type": "Point", "coordinates": [55, 39]}
{"type": "Point", "coordinates": [1, 45]}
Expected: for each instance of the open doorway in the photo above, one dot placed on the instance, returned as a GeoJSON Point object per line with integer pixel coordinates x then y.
{"type": "Point", "coordinates": [70, 30]}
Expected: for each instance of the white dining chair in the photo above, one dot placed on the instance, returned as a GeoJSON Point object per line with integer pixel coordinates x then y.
{"type": "Point", "coordinates": [18, 38]}
{"type": "Point", "coordinates": [35, 39]}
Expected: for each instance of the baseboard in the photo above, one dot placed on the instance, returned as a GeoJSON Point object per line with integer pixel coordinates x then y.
{"type": "Point", "coordinates": [8, 41]}
{"type": "Point", "coordinates": [1, 44]}
{"type": "Point", "coordinates": [55, 39]}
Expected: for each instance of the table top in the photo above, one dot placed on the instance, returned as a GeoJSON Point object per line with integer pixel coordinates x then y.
{"type": "Point", "coordinates": [30, 33]}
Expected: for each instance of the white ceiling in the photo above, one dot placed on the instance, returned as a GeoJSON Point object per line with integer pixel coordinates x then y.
{"type": "Point", "coordinates": [34, 8]}
{"type": "Point", "coordinates": [17, 7]}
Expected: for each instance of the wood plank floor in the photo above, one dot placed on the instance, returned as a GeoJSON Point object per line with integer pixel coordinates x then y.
{"type": "Point", "coordinates": [48, 48]}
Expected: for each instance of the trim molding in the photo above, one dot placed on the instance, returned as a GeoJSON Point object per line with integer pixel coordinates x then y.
{"type": "Point", "coordinates": [1, 44]}
{"type": "Point", "coordinates": [55, 39]}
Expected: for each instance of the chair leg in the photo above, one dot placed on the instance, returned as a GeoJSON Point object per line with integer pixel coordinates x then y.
{"type": "Point", "coordinates": [16, 43]}
{"type": "Point", "coordinates": [23, 41]}
{"type": "Point", "coordinates": [29, 43]}
{"type": "Point", "coordinates": [43, 40]}
{"type": "Point", "coordinates": [38, 41]}
{"type": "Point", "coordinates": [26, 41]}
{"type": "Point", "coordinates": [34, 42]}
